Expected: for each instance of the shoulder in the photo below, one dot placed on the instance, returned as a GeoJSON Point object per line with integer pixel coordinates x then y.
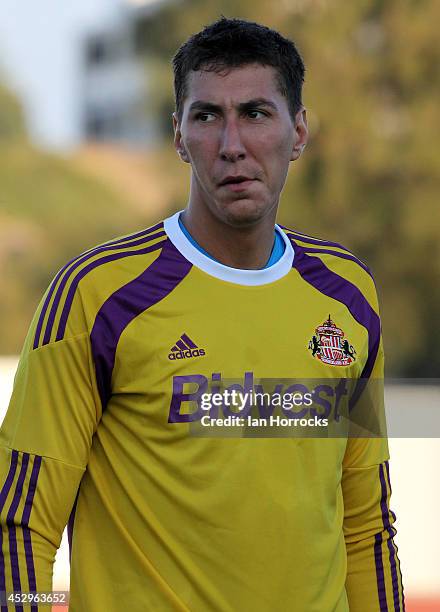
{"type": "Point", "coordinates": [78, 290]}
{"type": "Point", "coordinates": [332, 263]}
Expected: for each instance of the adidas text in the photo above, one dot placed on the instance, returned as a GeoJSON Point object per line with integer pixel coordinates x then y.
{"type": "Point", "coordinates": [186, 354]}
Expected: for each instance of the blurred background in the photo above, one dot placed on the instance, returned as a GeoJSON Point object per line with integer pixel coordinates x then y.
{"type": "Point", "coordinates": [86, 154]}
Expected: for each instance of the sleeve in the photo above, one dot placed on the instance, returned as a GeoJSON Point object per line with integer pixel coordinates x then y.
{"type": "Point", "coordinates": [374, 581]}
{"type": "Point", "coordinates": [45, 441]}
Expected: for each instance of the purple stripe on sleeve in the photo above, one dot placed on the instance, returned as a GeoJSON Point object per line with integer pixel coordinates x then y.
{"type": "Point", "coordinates": [379, 573]}
{"type": "Point", "coordinates": [316, 273]}
{"type": "Point", "coordinates": [188, 341]}
{"type": "Point", "coordinates": [3, 496]}
{"type": "Point", "coordinates": [309, 240]}
{"type": "Point", "coordinates": [342, 255]}
{"type": "Point", "coordinates": [389, 484]}
{"type": "Point", "coordinates": [152, 286]}
{"type": "Point", "coordinates": [391, 533]}
{"type": "Point", "coordinates": [86, 270]}
{"type": "Point", "coordinates": [15, 568]}
{"type": "Point", "coordinates": [91, 266]}
{"type": "Point", "coordinates": [25, 523]}
{"type": "Point", "coordinates": [9, 479]}
{"type": "Point", "coordinates": [31, 490]}
{"type": "Point", "coordinates": [395, 547]}
{"type": "Point", "coordinates": [89, 254]}
{"type": "Point", "coordinates": [141, 234]}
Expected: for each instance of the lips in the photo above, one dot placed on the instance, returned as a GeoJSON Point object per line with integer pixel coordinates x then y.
{"type": "Point", "coordinates": [235, 180]}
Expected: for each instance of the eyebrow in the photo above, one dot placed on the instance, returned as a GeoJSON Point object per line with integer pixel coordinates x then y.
{"type": "Point", "coordinates": [243, 106]}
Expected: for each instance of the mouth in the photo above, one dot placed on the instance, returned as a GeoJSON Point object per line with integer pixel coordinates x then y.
{"type": "Point", "coordinates": [237, 183]}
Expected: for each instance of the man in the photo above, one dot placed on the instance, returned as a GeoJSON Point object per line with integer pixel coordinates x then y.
{"type": "Point", "coordinates": [132, 335]}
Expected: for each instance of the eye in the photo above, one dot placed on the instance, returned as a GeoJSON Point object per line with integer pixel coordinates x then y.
{"type": "Point", "coordinates": [252, 114]}
{"type": "Point", "coordinates": [204, 117]}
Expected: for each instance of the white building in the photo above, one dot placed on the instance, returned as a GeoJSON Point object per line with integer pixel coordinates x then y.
{"type": "Point", "coordinates": [75, 69]}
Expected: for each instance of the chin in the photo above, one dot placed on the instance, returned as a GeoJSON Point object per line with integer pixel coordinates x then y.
{"type": "Point", "coordinates": [242, 212]}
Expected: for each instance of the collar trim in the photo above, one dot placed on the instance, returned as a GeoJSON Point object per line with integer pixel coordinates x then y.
{"type": "Point", "coordinates": [226, 273]}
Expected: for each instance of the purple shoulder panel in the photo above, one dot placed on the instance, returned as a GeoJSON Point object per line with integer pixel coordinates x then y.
{"type": "Point", "coordinates": [152, 286]}
{"type": "Point", "coordinates": [65, 273]}
{"type": "Point", "coordinates": [347, 256]}
{"type": "Point", "coordinates": [310, 240]}
{"type": "Point", "coordinates": [83, 272]}
{"type": "Point", "coordinates": [316, 273]}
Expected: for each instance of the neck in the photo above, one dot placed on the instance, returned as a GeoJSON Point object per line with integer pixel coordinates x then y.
{"type": "Point", "coordinates": [246, 247]}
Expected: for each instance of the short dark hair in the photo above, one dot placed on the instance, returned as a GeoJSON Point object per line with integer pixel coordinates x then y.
{"type": "Point", "coordinates": [229, 43]}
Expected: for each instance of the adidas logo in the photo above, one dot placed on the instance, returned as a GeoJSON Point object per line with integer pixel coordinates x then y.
{"type": "Point", "coordinates": [185, 348]}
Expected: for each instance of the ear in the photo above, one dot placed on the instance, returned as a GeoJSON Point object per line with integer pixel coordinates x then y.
{"type": "Point", "coordinates": [301, 134]}
{"type": "Point", "coordinates": [178, 144]}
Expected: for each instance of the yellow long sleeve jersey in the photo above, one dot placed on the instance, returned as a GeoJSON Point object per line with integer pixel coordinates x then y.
{"type": "Point", "coordinates": [98, 436]}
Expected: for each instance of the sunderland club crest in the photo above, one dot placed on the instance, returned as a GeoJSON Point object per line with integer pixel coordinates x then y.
{"type": "Point", "coordinates": [330, 346]}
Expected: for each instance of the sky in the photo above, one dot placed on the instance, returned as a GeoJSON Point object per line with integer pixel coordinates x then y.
{"type": "Point", "coordinates": [41, 55]}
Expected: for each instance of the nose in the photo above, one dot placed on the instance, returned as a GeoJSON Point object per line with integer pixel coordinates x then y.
{"type": "Point", "coordinates": [231, 147]}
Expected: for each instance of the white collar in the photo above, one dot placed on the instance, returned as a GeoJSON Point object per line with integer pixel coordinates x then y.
{"type": "Point", "coordinates": [217, 269]}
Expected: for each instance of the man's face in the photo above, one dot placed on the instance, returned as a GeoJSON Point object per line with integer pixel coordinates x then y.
{"type": "Point", "coordinates": [238, 136]}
